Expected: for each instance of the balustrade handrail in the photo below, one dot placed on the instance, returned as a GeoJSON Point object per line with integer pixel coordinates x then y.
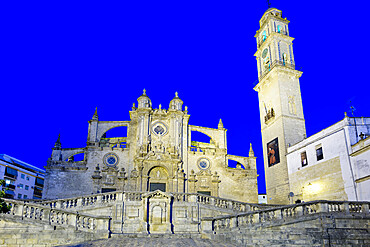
{"type": "Point", "coordinates": [18, 202]}
{"type": "Point", "coordinates": [57, 216]}
{"type": "Point", "coordinates": [300, 205]}
{"type": "Point", "coordinates": [209, 200]}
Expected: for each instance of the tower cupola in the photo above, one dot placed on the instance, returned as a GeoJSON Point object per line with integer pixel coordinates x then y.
{"type": "Point", "coordinates": [144, 101]}
{"type": "Point", "coordinates": [176, 103]}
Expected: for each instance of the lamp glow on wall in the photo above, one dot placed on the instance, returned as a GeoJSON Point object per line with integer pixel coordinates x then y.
{"type": "Point", "coordinates": [313, 188]}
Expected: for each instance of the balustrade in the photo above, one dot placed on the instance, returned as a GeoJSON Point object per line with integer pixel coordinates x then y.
{"type": "Point", "coordinates": [286, 212]}
{"type": "Point", "coordinates": [60, 217]}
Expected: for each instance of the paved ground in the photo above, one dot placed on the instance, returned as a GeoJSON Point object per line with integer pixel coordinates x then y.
{"type": "Point", "coordinates": [153, 242]}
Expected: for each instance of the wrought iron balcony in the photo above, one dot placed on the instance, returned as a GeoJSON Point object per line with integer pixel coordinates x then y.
{"type": "Point", "coordinates": [273, 65]}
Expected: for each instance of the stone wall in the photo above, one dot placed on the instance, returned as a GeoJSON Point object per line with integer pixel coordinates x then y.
{"type": "Point", "coordinates": [318, 223]}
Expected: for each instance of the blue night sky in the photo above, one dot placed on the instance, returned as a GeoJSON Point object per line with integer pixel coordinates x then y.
{"type": "Point", "coordinates": [61, 60]}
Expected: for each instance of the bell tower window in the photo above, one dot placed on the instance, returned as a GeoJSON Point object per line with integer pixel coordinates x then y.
{"type": "Point", "coordinates": [279, 29]}
{"type": "Point", "coordinates": [264, 36]}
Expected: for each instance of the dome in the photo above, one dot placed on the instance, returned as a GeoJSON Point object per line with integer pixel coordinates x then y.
{"type": "Point", "coordinates": [144, 101]}
{"type": "Point", "coordinates": [176, 103]}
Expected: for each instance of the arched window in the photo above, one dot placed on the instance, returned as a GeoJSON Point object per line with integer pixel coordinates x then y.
{"type": "Point", "coordinates": [279, 29]}
{"type": "Point", "coordinates": [264, 36]}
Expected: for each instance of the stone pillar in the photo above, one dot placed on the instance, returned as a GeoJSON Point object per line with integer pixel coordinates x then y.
{"type": "Point", "coordinates": [365, 208]}
{"type": "Point", "coordinates": [207, 226]}
{"type": "Point", "coordinates": [299, 210]}
{"type": "Point", "coordinates": [323, 207]}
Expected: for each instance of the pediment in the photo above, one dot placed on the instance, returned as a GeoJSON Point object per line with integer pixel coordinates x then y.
{"type": "Point", "coordinates": [204, 173]}
{"type": "Point", "coordinates": [158, 194]}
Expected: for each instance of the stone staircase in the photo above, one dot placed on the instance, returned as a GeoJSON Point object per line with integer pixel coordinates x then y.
{"type": "Point", "coordinates": [153, 240]}
{"type": "Point", "coordinates": [317, 223]}
{"type": "Point", "coordinates": [125, 219]}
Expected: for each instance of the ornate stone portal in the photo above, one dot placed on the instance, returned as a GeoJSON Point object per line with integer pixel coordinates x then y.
{"type": "Point", "coordinates": [157, 212]}
{"type": "Point", "coordinates": [156, 151]}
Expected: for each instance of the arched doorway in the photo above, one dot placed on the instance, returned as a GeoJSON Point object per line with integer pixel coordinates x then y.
{"type": "Point", "coordinates": [158, 179]}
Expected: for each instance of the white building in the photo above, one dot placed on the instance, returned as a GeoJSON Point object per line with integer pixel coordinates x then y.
{"type": "Point", "coordinates": [22, 180]}
{"type": "Point", "coordinates": [332, 164]}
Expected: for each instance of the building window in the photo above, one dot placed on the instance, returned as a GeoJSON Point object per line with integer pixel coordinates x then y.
{"type": "Point", "coordinates": [279, 29]}
{"type": "Point", "coordinates": [23, 176]}
{"type": "Point", "coordinates": [26, 187]}
{"type": "Point", "coordinates": [19, 196]}
{"type": "Point", "coordinates": [10, 172]}
{"type": "Point", "coordinates": [27, 178]}
{"type": "Point", "coordinates": [319, 154]}
{"type": "Point", "coordinates": [39, 182]}
{"type": "Point", "coordinates": [20, 186]}
{"type": "Point", "coordinates": [304, 159]}
{"type": "Point", "coordinates": [25, 197]}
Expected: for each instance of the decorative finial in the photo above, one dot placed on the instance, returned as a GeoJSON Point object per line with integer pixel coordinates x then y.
{"type": "Point", "coordinates": [251, 152]}
{"type": "Point", "coordinates": [176, 94]}
{"type": "Point", "coordinates": [58, 145]}
{"type": "Point", "coordinates": [160, 106]}
{"type": "Point", "coordinates": [269, 4]}
{"type": "Point", "coordinates": [220, 124]}
{"type": "Point", "coordinates": [95, 116]}
{"type": "Point", "coordinates": [144, 92]}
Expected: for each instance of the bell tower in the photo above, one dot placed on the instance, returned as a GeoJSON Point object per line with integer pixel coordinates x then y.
{"type": "Point", "coordinates": [280, 103]}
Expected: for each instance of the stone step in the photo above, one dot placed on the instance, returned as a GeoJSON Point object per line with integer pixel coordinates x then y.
{"type": "Point", "coordinates": [153, 241]}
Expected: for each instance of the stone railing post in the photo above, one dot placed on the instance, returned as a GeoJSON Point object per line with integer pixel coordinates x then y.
{"type": "Point", "coordinates": [58, 204]}
{"type": "Point", "coordinates": [346, 207]}
{"type": "Point", "coordinates": [73, 220]}
{"type": "Point", "coordinates": [247, 208]}
{"type": "Point", "coordinates": [120, 196]}
{"type": "Point", "coordinates": [278, 214]}
{"type": "Point", "coordinates": [193, 198]}
{"type": "Point", "coordinates": [299, 210]}
{"type": "Point", "coordinates": [256, 218]}
{"type": "Point", "coordinates": [212, 201]}
{"type": "Point", "coordinates": [46, 216]}
{"type": "Point", "coordinates": [102, 224]}
{"type": "Point", "coordinates": [207, 226]}
{"type": "Point", "coordinates": [99, 199]}
{"type": "Point", "coordinates": [323, 207]}
{"type": "Point", "coordinates": [234, 222]}
{"type": "Point", "coordinates": [365, 208]}
{"type": "Point", "coordinates": [18, 209]}
{"type": "Point", "coordinates": [79, 202]}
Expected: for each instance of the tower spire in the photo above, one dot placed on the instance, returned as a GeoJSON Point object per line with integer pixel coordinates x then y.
{"type": "Point", "coordinates": [251, 152]}
{"type": "Point", "coordinates": [220, 124]}
{"type": "Point", "coordinates": [57, 144]}
{"type": "Point", "coordinates": [95, 116]}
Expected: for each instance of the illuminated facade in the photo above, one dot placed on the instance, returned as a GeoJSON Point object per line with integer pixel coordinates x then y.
{"type": "Point", "coordinates": [156, 151]}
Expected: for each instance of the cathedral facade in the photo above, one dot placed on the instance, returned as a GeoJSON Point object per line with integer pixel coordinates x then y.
{"type": "Point", "coordinates": [156, 153]}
